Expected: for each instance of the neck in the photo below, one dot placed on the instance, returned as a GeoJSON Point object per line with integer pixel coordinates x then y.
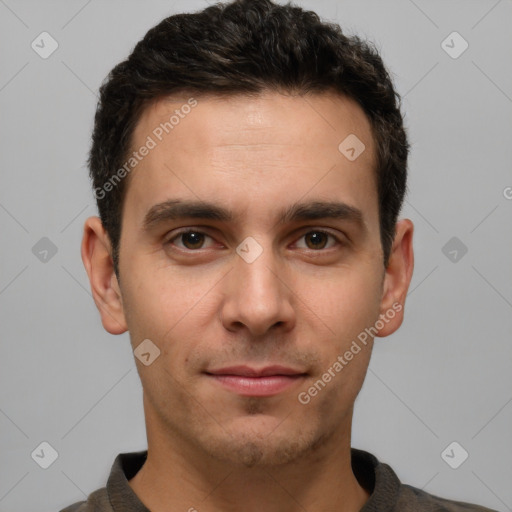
{"type": "Point", "coordinates": [178, 476]}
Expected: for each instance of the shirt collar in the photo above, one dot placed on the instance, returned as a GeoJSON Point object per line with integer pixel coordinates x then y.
{"type": "Point", "coordinates": [378, 478]}
{"type": "Point", "coordinates": [121, 495]}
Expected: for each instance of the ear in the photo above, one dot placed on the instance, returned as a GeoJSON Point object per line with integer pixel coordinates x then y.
{"type": "Point", "coordinates": [96, 256]}
{"type": "Point", "coordinates": [397, 279]}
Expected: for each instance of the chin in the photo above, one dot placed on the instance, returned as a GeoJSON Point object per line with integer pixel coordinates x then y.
{"type": "Point", "coordinates": [260, 442]}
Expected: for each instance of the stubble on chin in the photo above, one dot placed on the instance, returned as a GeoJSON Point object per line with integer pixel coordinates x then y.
{"type": "Point", "coordinates": [275, 448]}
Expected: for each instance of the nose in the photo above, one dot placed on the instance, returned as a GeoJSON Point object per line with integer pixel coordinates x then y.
{"type": "Point", "coordinates": [257, 296]}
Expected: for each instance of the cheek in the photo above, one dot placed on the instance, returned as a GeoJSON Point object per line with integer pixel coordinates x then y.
{"type": "Point", "coordinates": [349, 302]}
{"type": "Point", "coordinates": [175, 315]}
{"type": "Point", "coordinates": [158, 303]}
{"type": "Point", "coordinates": [330, 396]}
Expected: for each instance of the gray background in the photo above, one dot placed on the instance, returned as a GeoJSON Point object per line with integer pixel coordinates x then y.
{"type": "Point", "coordinates": [443, 377]}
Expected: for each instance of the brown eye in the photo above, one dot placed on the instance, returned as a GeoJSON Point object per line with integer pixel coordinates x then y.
{"type": "Point", "coordinates": [318, 240]}
{"type": "Point", "coordinates": [190, 240]}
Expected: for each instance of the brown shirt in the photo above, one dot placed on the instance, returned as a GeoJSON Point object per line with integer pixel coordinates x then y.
{"type": "Point", "coordinates": [387, 493]}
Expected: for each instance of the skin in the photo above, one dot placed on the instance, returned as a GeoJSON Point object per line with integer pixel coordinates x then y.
{"type": "Point", "coordinates": [299, 304]}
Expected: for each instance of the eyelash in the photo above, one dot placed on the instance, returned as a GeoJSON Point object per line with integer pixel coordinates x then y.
{"type": "Point", "coordinates": [197, 231]}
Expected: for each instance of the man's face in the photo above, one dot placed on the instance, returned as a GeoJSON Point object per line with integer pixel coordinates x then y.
{"type": "Point", "coordinates": [295, 294]}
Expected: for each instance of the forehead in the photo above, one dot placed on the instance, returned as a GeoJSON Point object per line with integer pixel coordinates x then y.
{"type": "Point", "coordinates": [240, 149]}
{"type": "Point", "coordinates": [320, 118]}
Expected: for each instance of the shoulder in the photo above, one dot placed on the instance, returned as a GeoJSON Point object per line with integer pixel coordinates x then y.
{"type": "Point", "coordinates": [414, 499]}
{"type": "Point", "coordinates": [96, 502]}
{"type": "Point", "coordinates": [389, 494]}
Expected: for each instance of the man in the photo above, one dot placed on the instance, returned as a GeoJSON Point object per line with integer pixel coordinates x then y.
{"type": "Point", "coordinates": [249, 164]}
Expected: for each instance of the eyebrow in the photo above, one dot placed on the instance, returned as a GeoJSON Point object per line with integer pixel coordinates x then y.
{"type": "Point", "coordinates": [175, 209]}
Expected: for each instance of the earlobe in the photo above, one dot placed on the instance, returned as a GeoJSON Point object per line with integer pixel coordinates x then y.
{"type": "Point", "coordinates": [397, 278]}
{"type": "Point", "coordinates": [96, 256]}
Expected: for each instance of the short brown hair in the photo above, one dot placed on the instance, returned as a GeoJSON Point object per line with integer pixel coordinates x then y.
{"type": "Point", "coordinates": [246, 47]}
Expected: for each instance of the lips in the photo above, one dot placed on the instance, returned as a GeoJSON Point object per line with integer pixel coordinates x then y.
{"type": "Point", "coordinates": [248, 381]}
{"type": "Point", "coordinates": [247, 371]}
